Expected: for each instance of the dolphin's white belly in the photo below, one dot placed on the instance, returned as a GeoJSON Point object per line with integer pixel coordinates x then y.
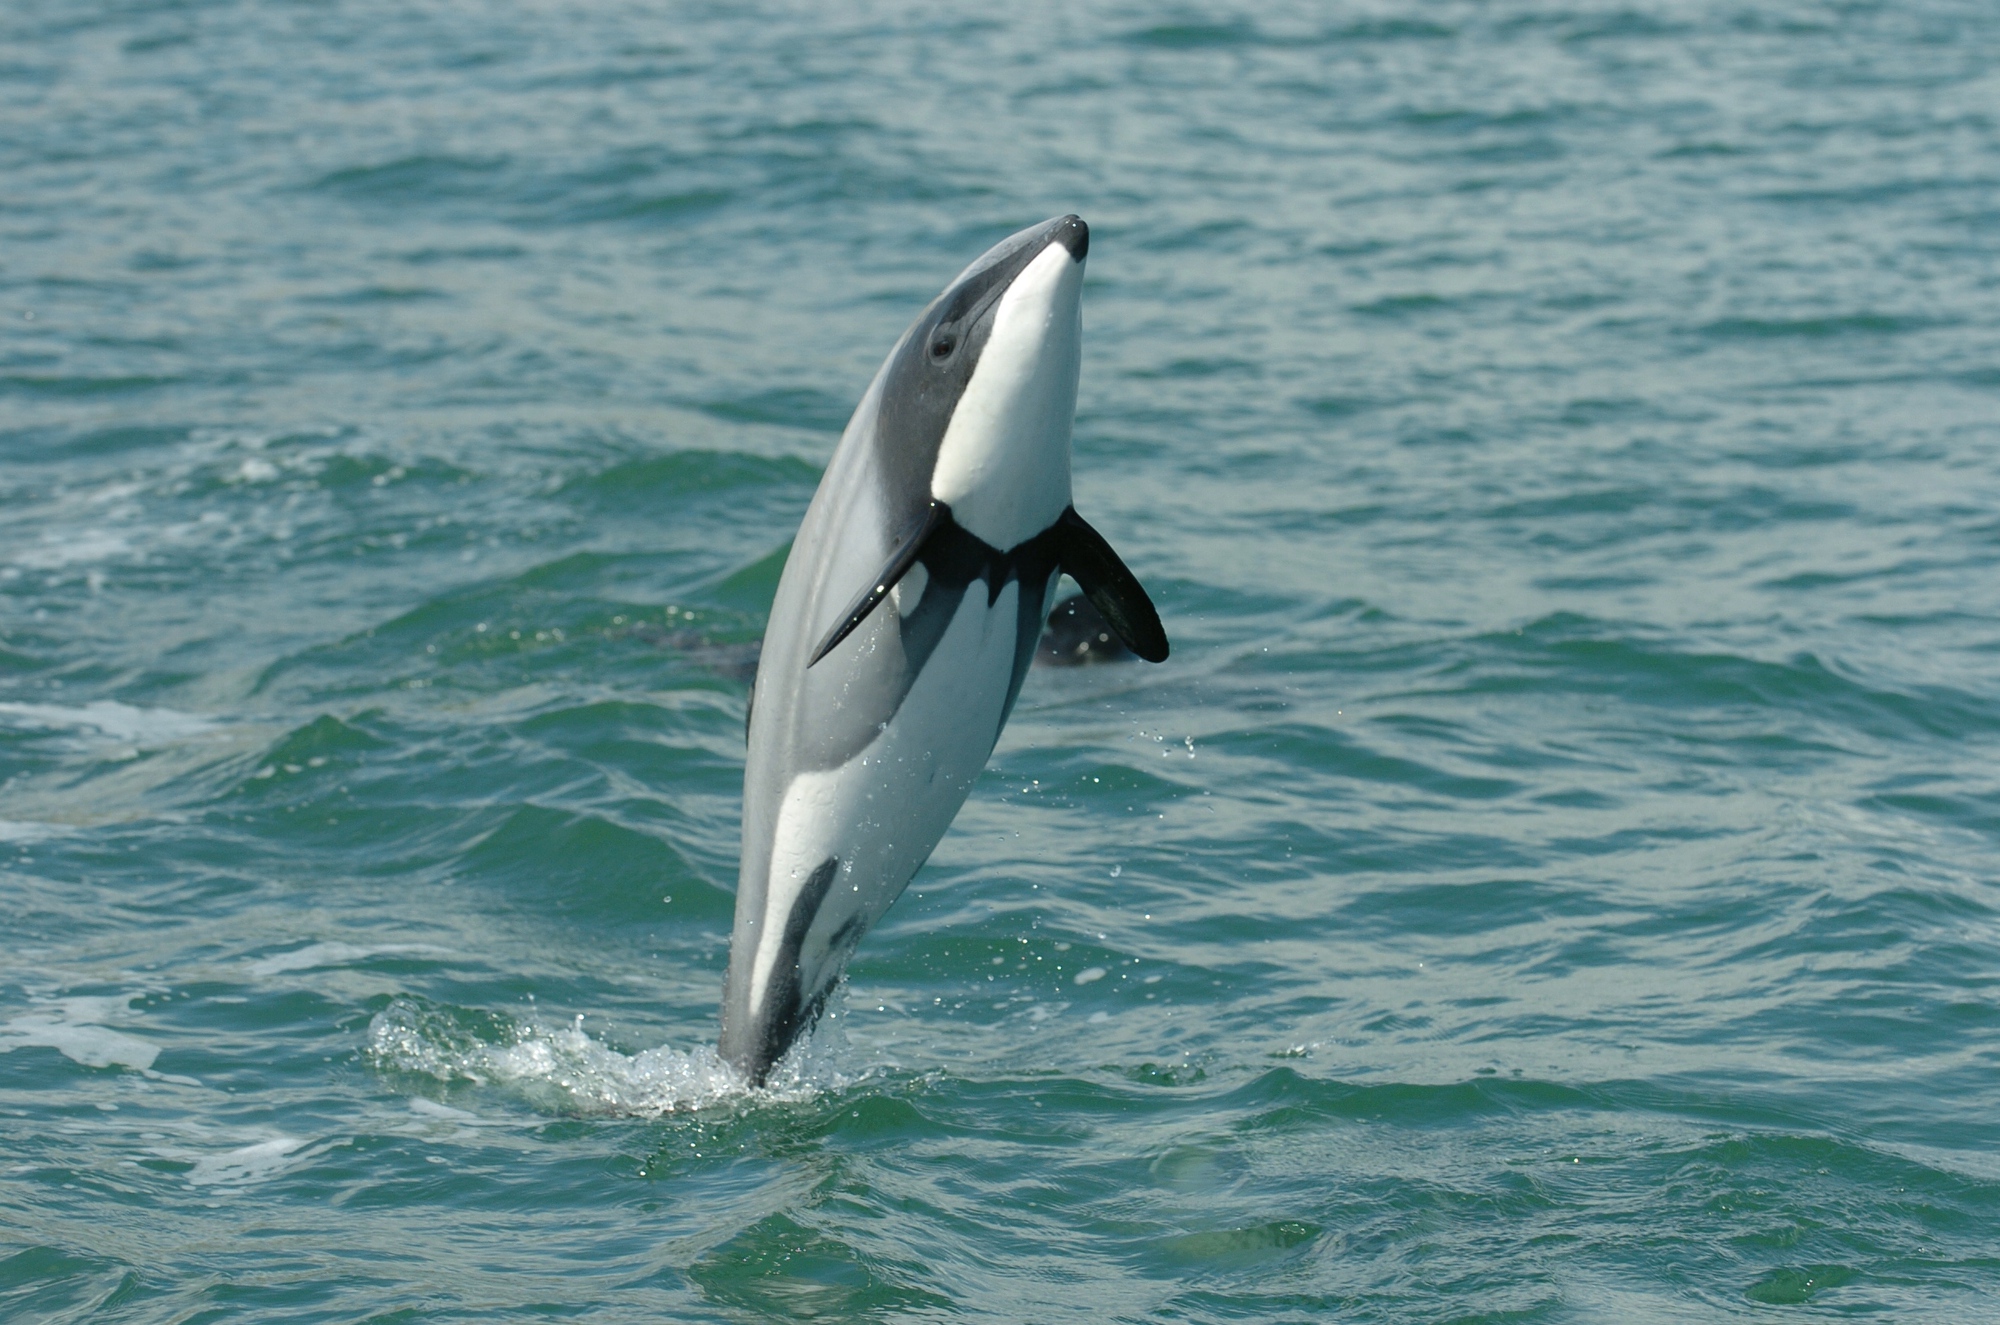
{"type": "Point", "coordinates": [881, 813]}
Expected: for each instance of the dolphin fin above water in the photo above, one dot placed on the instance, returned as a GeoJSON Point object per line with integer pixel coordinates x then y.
{"type": "Point", "coordinates": [908, 613]}
{"type": "Point", "coordinates": [1081, 552]}
{"type": "Point", "coordinates": [891, 575]}
{"type": "Point", "coordinates": [1112, 589]}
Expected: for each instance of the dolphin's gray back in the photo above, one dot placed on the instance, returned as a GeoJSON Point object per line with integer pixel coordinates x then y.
{"type": "Point", "coordinates": [821, 718]}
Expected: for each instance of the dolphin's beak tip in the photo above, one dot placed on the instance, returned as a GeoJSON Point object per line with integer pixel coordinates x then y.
{"type": "Point", "coordinates": [1074, 235]}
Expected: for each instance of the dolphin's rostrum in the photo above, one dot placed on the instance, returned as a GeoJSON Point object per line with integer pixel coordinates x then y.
{"type": "Point", "coordinates": [904, 623]}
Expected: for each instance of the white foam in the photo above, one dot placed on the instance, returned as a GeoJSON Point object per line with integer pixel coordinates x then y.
{"type": "Point", "coordinates": [120, 722]}
{"type": "Point", "coordinates": [335, 954]}
{"type": "Point", "coordinates": [247, 1164]}
{"type": "Point", "coordinates": [25, 832]}
{"type": "Point", "coordinates": [424, 1108]}
{"type": "Point", "coordinates": [568, 1070]}
{"type": "Point", "coordinates": [69, 549]}
{"type": "Point", "coordinates": [70, 1028]}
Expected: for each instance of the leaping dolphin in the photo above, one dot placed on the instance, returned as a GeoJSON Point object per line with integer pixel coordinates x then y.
{"type": "Point", "coordinates": [905, 621]}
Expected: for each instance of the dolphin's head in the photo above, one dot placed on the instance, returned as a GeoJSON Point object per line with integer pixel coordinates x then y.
{"type": "Point", "coordinates": [979, 396]}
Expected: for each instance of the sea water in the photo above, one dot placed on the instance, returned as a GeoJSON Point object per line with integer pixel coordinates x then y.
{"type": "Point", "coordinates": [1553, 879]}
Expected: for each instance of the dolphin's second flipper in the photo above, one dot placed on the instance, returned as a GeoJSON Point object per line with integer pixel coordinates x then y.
{"type": "Point", "coordinates": [1113, 590]}
{"type": "Point", "coordinates": [900, 561]}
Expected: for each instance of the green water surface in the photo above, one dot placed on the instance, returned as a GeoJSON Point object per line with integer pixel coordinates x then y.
{"type": "Point", "coordinates": [1553, 879]}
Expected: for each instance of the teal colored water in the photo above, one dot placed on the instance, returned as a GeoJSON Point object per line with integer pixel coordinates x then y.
{"type": "Point", "coordinates": [1553, 879]}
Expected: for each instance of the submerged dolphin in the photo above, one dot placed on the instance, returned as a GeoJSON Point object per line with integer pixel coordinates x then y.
{"type": "Point", "coordinates": [905, 620]}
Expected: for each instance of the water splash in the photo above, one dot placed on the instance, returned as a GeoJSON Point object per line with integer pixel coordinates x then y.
{"type": "Point", "coordinates": [563, 1069]}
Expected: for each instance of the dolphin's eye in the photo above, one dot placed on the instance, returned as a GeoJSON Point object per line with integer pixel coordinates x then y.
{"type": "Point", "coordinates": [942, 345]}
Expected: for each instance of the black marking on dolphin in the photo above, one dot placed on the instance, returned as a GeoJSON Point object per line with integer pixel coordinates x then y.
{"type": "Point", "coordinates": [786, 977]}
{"type": "Point", "coordinates": [1112, 589]}
{"type": "Point", "coordinates": [955, 558]}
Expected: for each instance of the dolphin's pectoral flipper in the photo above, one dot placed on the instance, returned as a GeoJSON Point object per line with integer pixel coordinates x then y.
{"type": "Point", "coordinates": [1113, 590]}
{"type": "Point", "coordinates": [900, 561]}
